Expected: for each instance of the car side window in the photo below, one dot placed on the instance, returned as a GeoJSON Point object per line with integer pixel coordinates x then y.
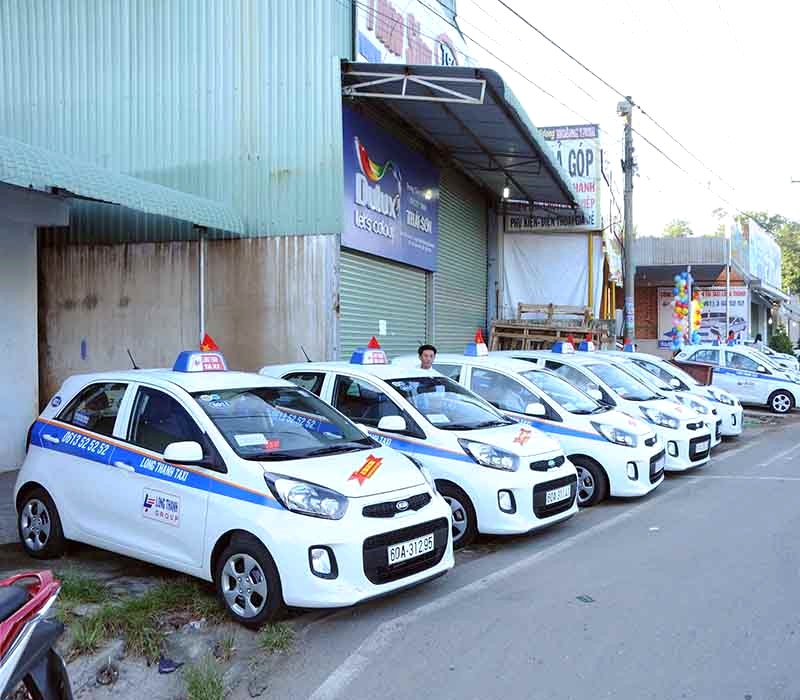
{"type": "Point", "coordinates": [501, 391]}
{"type": "Point", "coordinates": [95, 408]}
{"type": "Point", "coordinates": [159, 420]}
{"type": "Point", "coordinates": [312, 381]}
{"type": "Point", "coordinates": [451, 371]}
{"type": "Point", "coordinates": [709, 357]}
{"type": "Point", "coordinates": [736, 360]}
{"type": "Point", "coordinates": [364, 403]}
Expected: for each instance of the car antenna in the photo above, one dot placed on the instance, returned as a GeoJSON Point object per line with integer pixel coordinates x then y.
{"type": "Point", "coordinates": [133, 362]}
{"type": "Point", "coordinates": [308, 359]}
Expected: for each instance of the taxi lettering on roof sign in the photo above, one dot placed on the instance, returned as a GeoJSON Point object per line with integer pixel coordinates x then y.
{"type": "Point", "coordinates": [198, 361]}
{"type": "Point", "coordinates": [478, 347]}
{"type": "Point", "coordinates": [371, 355]}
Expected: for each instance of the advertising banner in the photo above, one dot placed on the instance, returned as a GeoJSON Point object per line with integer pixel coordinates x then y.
{"type": "Point", "coordinates": [577, 149]}
{"type": "Point", "coordinates": [765, 255]}
{"type": "Point", "coordinates": [391, 196]}
{"type": "Point", "coordinates": [712, 323]}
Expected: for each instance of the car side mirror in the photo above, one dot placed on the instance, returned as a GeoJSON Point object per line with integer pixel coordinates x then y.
{"type": "Point", "coordinates": [596, 394]}
{"type": "Point", "coordinates": [535, 409]}
{"type": "Point", "coordinates": [392, 424]}
{"type": "Point", "coordinates": [674, 383]}
{"type": "Point", "coordinates": [363, 428]}
{"type": "Point", "coordinates": [188, 452]}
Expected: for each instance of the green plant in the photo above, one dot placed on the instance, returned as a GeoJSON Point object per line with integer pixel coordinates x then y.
{"type": "Point", "coordinates": [225, 648]}
{"type": "Point", "coordinates": [78, 588]}
{"type": "Point", "coordinates": [276, 638]}
{"type": "Point", "coordinates": [204, 681]}
{"type": "Point", "coordinates": [780, 341]}
{"type": "Point", "coordinates": [87, 635]}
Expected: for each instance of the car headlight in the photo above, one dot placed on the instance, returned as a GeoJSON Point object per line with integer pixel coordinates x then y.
{"type": "Point", "coordinates": [615, 435]}
{"type": "Point", "coordinates": [721, 398]}
{"type": "Point", "coordinates": [694, 405]}
{"type": "Point", "coordinates": [306, 498]}
{"type": "Point", "coordinates": [489, 456]}
{"type": "Point", "coordinates": [658, 418]}
{"type": "Point", "coordinates": [425, 473]}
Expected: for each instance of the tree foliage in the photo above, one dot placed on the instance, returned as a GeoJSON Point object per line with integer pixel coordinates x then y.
{"type": "Point", "coordinates": [677, 228]}
{"type": "Point", "coordinates": [780, 342]}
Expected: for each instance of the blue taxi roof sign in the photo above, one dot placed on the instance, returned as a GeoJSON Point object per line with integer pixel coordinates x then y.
{"type": "Point", "coordinates": [477, 348]}
{"type": "Point", "coordinates": [563, 347]}
{"type": "Point", "coordinates": [586, 346]}
{"type": "Point", "coordinates": [370, 355]}
{"type": "Point", "coordinates": [199, 361]}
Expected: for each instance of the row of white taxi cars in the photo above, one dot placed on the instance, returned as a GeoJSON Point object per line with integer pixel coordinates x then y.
{"type": "Point", "coordinates": [326, 484]}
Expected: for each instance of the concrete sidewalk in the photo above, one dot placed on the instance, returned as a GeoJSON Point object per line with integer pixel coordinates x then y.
{"type": "Point", "coordinates": [8, 515]}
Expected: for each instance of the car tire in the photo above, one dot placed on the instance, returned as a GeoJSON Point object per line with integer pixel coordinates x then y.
{"type": "Point", "coordinates": [465, 522]}
{"type": "Point", "coordinates": [592, 482]}
{"type": "Point", "coordinates": [781, 402]}
{"type": "Point", "coordinates": [248, 583]}
{"type": "Point", "coordinates": [39, 525]}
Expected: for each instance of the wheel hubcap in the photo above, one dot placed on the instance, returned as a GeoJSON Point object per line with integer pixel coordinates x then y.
{"type": "Point", "coordinates": [781, 403]}
{"type": "Point", "coordinates": [34, 521]}
{"type": "Point", "coordinates": [244, 585]}
{"type": "Point", "coordinates": [586, 485]}
{"type": "Point", "coordinates": [459, 518]}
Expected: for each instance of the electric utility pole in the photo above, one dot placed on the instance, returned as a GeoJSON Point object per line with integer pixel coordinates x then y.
{"type": "Point", "coordinates": [625, 109]}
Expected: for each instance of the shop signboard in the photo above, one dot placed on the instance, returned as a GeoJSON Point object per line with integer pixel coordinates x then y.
{"type": "Point", "coordinates": [391, 196]}
{"type": "Point", "coordinates": [577, 150]}
{"type": "Point", "coordinates": [713, 319]}
{"type": "Point", "coordinates": [403, 31]}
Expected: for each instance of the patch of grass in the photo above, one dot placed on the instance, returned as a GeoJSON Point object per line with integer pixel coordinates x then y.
{"type": "Point", "coordinates": [204, 681]}
{"type": "Point", "coordinates": [276, 638]}
{"type": "Point", "coordinates": [225, 648]}
{"type": "Point", "coordinates": [87, 635]}
{"type": "Point", "coordinates": [139, 621]}
{"type": "Point", "coordinates": [78, 588]}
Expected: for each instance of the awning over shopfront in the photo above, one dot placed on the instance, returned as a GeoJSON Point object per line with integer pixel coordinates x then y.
{"type": "Point", "coordinates": [766, 294]}
{"type": "Point", "coordinates": [471, 115]}
{"type": "Point", "coordinates": [45, 171]}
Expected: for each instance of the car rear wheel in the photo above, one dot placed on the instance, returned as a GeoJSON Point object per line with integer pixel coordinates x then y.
{"type": "Point", "coordinates": [247, 581]}
{"type": "Point", "coordinates": [465, 522]}
{"type": "Point", "coordinates": [592, 482]}
{"type": "Point", "coordinates": [781, 401]}
{"type": "Point", "coordinates": [39, 525]}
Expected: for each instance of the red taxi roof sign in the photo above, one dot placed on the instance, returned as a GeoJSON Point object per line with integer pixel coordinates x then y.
{"type": "Point", "coordinates": [370, 355]}
{"type": "Point", "coordinates": [199, 361]}
{"type": "Point", "coordinates": [478, 347]}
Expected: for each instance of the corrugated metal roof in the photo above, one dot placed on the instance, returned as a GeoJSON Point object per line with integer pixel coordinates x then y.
{"type": "Point", "coordinates": [489, 136]}
{"type": "Point", "coordinates": [705, 250]}
{"type": "Point", "coordinates": [37, 168]}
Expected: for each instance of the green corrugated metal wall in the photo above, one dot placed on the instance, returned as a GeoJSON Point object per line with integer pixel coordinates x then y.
{"type": "Point", "coordinates": [460, 280]}
{"type": "Point", "coordinates": [371, 290]}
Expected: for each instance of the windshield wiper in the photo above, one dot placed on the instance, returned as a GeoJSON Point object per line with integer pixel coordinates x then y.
{"type": "Point", "coordinates": [272, 456]}
{"type": "Point", "coordinates": [333, 449]}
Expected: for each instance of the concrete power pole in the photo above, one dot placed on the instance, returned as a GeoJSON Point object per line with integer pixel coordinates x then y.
{"type": "Point", "coordinates": [625, 109]}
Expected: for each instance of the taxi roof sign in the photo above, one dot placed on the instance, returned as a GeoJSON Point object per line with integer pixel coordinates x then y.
{"type": "Point", "coordinates": [563, 347]}
{"type": "Point", "coordinates": [478, 347]}
{"type": "Point", "coordinates": [628, 346]}
{"type": "Point", "coordinates": [199, 361]}
{"type": "Point", "coordinates": [370, 355]}
{"type": "Point", "coordinates": [586, 346]}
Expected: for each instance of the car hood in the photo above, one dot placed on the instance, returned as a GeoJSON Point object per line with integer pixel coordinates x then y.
{"type": "Point", "coordinates": [518, 438]}
{"type": "Point", "coordinates": [673, 409]}
{"type": "Point", "coordinates": [354, 474]}
{"type": "Point", "coordinates": [623, 421]}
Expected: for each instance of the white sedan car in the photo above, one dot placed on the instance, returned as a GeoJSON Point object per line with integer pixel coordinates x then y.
{"type": "Point", "coordinates": [244, 480]}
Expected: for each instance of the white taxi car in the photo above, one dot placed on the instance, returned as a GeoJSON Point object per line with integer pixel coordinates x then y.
{"type": "Point", "coordinates": [614, 454]}
{"type": "Point", "coordinates": [499, 476]}
{"type": "Point", "coordinates": [781, 359]}
{"type": "Point", "coordinates": [245, 480]}
{"type": "Point", "coordinates": [747, 374]}
{"type": "Point", "coordinates": [728, 407]}
{"type": "Point", "coordinates": [703, 406]}
{"type": "Point", "coordinates": [682, 430]}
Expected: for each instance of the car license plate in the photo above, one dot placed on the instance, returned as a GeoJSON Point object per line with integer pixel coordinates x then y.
{"type": "Point", "coordinates": [702, 446]}
{"type": "Point", "coordinates": [397, 553]}
{"type": "Point", "coordinates": [556, 495]}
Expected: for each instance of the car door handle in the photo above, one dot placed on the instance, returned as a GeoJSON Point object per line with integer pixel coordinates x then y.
{"type": "Point", "coordinates": [125, 467]}
{"type": "Point", "coordinates": [51, 438]}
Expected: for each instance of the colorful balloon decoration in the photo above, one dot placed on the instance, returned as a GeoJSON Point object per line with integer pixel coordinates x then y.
{"type": "Point", "coordinates": [697, 315]}
{"type": "Point", "coordinates": [682, 322]}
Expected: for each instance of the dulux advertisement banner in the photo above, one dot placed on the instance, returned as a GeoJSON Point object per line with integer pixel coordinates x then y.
{"type": "Point", "coordinates": [391, 196]}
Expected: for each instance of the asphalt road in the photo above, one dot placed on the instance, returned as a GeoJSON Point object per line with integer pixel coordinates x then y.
{"type": "Point", "coordinates": [689, 593]}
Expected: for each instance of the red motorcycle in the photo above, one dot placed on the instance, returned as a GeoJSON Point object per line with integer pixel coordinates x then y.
{"type": "Point", "coordinates": [28, 637]}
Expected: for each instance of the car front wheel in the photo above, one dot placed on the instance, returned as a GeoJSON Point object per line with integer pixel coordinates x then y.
{"type": "Point", "coordinates": [465, 522]}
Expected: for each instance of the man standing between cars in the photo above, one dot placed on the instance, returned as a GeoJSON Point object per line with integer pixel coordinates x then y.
{"type": "Point", "coordinates": [427, 354]}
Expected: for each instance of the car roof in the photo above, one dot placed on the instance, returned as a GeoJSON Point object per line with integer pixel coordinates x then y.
{"type": "Point", "coordinates": [578, 357]}
{"type": "Point", "coordinates": [381, 371]}
{"type": "Point", "coordinates": [509, 364]}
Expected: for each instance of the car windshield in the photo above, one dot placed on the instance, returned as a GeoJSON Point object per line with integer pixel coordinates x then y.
{"type": "Point", "coordinates": [665, 368]}
{"type": "Point", "coordinates": [563, 393]}
{"type": "Point", "coordinates": [279, 423]}
{"type": "Point", "coordinates": [624, 384]}
{"type": "Point", "coordinates": [645, 377]}
{"type": "Point", "coordinates": [764, 360]}
{"type": "Point", "coordinates": [448, 405]}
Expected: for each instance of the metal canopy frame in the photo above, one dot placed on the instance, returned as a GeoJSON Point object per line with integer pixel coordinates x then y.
{"type": "Point", "coordinates": [493, 142]}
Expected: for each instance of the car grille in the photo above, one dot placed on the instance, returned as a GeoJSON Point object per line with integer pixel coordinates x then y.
{"type": "Point", "coordinates": [695, 426]}
{"type": "Point", "coordinates": [650, 441]}
{"type": "Point", "coordinates": [657, 470]}
{"type": "Point", "coordinates": [388, 509]}
{"type": "Point", "coordinates": [544, 464]}
{"type": "Point", "coordinates": [719, 429]}
{"type": "Point", "coordinates": [694, 454]}
{"type": "Point", "coordinates": [376, 566]}
{"type": "Point", "coordinates": [540, 510]}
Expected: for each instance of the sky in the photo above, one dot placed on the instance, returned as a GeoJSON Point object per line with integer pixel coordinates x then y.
{"type": "Point", "coordinates": [719, 75]}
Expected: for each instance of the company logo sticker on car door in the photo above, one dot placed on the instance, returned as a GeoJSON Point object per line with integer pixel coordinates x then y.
{"type": "Point", "coordinates": [162, 507]}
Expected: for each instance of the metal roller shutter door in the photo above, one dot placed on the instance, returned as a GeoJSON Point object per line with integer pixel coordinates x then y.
{"type": "Point", "coordinates": [371, 290]}
{"type": "Point", "coordinates": [461, 278]}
